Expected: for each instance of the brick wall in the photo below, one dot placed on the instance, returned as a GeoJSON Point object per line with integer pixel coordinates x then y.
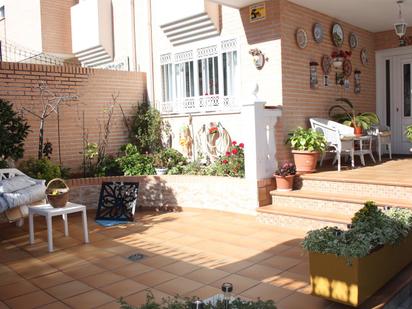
{"type": "Point", "coordinates": [207, 192]}
{"type": "Point", "coordinates": [56, 26]}
{"type": "Point", "coordinates": [388, 39]}
{"type": "Point", "coordinates": [19, 84]}
{"type": "Point", "coordinates": [300, 102]}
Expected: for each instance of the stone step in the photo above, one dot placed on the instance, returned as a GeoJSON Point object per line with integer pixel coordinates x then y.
{"type": "Point", "coordinates": [355, 186]}
{"type": "Point", "coordinates": [345, 204]}
{"type": "Point", "coordinates": [297, 218]}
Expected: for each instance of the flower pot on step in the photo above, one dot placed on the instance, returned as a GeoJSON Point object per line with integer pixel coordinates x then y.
{"type": "Point", "coordinates": [305, 161]}
{"type": "Point", "coordinates": [358, 131]}
{"type": "Point", "coordinates": [284, 183]}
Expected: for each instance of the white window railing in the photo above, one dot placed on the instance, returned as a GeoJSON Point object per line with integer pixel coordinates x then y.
{"type": "Point", "coordinates": [202, 104]}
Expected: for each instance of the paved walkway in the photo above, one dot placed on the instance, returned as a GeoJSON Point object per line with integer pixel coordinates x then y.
{"type": "Point", "coordinates": [190, 253]}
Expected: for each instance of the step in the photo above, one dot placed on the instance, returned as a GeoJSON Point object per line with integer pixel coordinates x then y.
{"type": "Point", "coordinates": [346, 185]}
{"type": "Point", "coordinates": [332, 203]}
{"type": "Point", "coordinates": [301, 219]}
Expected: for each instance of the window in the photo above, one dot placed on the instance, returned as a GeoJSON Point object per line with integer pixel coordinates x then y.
{"type": "Point", "coordinates": [185, 82]}
{"type": "Point", "coordinates": [407, 90]}
{"type": "Point", "coordinates": [229, 73]}
{"type": "Point", "coordinates": [2, 12]}
{"type": "Point", "coordinates": [208, 76]}
{"type": "Point", "coordinates": [167, 82]}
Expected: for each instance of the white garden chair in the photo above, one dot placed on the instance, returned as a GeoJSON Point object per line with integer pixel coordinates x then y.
{"type": "Point", "coordinates": [383, 137]}
{"type": "Point", "coordinates": [339, 139]}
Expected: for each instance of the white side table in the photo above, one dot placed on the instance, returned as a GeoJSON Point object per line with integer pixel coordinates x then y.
{"type": "Point", "coordinates": [49, 212]}
{"type": "Point", "coordinates": [365, 140]}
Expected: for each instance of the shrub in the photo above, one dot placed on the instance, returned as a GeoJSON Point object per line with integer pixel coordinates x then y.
{"type": "Point", "coordinates": [13, 131]}
{"type": "Point", "coordinates": [371, 228]}
{"type": "Point", "coordinates": [232, 164]}
{"type": "Point", "coordinates": [408, 133]}
{"type": "Point", "coordinates": [146, 129]}
{"type": "Point", "coordinates": [306, 140]}
{"type": "Point", "coordinates": [132, 163]}
{"type": "Point", "coordinates": [41, 169]}
{"type": "Point", "coordinates": [168, 158]}
{"type": "Point", "coordinates": [108, 167]}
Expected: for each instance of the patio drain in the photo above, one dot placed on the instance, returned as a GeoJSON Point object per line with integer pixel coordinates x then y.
{"type": "Point", "coordinates": [136, 257]}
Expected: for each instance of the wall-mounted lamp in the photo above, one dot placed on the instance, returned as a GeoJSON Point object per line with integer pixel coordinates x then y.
{"type": "Point", "coordinates": [259, 58]}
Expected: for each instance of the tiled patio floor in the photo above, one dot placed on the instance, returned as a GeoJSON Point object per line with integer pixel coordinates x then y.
{"type": "Point", "coordinates": [190, 253]}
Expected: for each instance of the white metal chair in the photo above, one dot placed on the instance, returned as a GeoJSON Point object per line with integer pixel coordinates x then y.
{"type": "Point", "coordinates": [338, 137]}
{"type": "Point", "coordinates": [383, 137]}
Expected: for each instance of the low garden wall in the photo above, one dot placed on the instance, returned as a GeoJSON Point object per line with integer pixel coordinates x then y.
{"type": "Point", "coordinates": [207, 192]}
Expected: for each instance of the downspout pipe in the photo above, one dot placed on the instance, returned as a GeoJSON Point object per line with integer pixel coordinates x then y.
{"type": "Point", "coordinates": [152, 87]}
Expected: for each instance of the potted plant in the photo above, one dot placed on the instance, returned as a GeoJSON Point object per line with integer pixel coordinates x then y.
{"type": "Point", "coordinates": [348, 266]}
{"type": "Point", "coordinates": [284, 176]}
{"type": "Point", "coordinates": [345, 113]}
{"type": "Point", "coordinates": [160, 162]}
{"type": "Point", "coordinates": [408, 134]}
{"type": "Point", "coordinates": [166, 159]}
{"type": "Point", "coordinates": [306, 145]}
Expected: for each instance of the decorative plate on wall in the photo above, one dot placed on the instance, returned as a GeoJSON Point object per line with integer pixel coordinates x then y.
{"type": "Point", "coordinates": [353, 40]}
{"type": "Point", "coordinates": [347, 68]}
{"type": "Point", "coordinates": [364, 56]}
{"type": "Point", "coordinates": [317, 32]}
{"type": "Point", "coordinates": [301, 38]}
{"type": "Point", "coordinates": [337, 35]}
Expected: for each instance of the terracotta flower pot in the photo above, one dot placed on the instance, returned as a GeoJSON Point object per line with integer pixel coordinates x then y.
{"type": "Point", "coordinates": [358, 131]}
{"type": "Point", "coordinates": [284, 183]}
{"type": "Point", "coordinates": [305, 161]}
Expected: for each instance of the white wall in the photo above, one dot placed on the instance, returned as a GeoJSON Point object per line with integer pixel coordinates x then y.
{"type": "Point", "coordinates": [122, 29]}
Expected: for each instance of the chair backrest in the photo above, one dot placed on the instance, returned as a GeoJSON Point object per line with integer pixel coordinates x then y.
{"type": "Point", "coordinates": [331, 134]}
{"type": "Point", "coordinates": [6, 173]}
{"type": "Point", "coordinates": [342, 129]}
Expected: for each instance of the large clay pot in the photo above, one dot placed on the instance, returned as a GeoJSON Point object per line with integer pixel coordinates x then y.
{"type": "Point", "coordinates": [358, 131]}
{"type": "Point", "coordinates": [305, 161]}
{"type": "Point", "coordinates": [284, 183]}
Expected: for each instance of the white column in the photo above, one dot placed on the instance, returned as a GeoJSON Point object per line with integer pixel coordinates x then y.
{"type": "Point", "coordinates": [259, 136]}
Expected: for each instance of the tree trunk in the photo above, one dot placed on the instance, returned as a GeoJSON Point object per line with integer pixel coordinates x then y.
{"type": "Point", "coordinates": [41, 139]}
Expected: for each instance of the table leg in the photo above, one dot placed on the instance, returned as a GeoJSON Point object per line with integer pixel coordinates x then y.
{"type": "Point", "coordinates": [66, 225]}
{"type": "Point", "coordinates": [49, 232]}
{"type": "Point", "coordinates": [361, 153]}
{"type": "Point", "coordinates": [31, 228]}
{"type": "Point", "coordinates": [85, 230]}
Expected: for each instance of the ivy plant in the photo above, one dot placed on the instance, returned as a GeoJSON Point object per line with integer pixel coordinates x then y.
{"type": "Point", "coordinates": [13, 131]}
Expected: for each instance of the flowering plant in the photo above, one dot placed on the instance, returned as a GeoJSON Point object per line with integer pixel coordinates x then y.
{"type": "Point", "coordinates": [286, 169]}
{"type": "Point", "coordinates": [233, 163]}
{"type": "Point", "coordinates": [345, 54]}
{"type": "Point", "coordinates": [213, 130]}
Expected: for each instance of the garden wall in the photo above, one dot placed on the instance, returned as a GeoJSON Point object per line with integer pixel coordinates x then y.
{"type": "Point", "coordinates": [206, 192]}
{"type": "Point", "coordinates": [94, 87]}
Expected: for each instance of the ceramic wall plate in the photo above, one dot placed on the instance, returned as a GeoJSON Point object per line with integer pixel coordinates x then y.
{"type": "Point", "coordinates": [364, 56]}
{"type": "Point", "coordinates": [347, 68]}
{"type": "Point", "coordinates": [326, 64]}
{"type": "Point", "coordinates": [301, 38]}
{"type": "Point", "coordinates": [337, 35]}
{"type": "Point", "coordinates": [353, 40]}
{"type": "Point", "coordinates": [317, 32]}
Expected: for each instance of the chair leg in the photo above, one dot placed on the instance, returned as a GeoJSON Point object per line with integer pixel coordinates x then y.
{"type": "Point", "coordinates": [352, 158]}
{"type": "Point", "coordinates": [390, 151]}
{"type": "Point", "coordinates": [379, 149]}
{"type": "Point", "coordinates": [339, 160]}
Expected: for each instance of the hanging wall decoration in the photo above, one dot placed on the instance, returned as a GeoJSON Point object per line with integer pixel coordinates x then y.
{"type": "Point", "coordinates": [317, 32]}
{"type": "Point", "coordinates": [357, 87]}
{"type": "Point", "coordinates": [353, 40]}
{"type": "Point", "coordinates": [259, 58]}
{"type": "Point", "coordinates": [313, 74]}
{"type": "Point", "coordinates": [326, 66]}
{"type": "Point", "coordinates": [301, 38]}
{"type": "Point", "coordinates": [337, 35]}
{"type": "Point", "coordinates": [347, 71]}
{"type": "Point", "coordinates": [364, 56]}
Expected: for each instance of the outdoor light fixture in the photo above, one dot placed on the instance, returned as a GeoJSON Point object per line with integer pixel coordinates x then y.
{"type": "Point", "coordinates": [198, 304]}
{"type": "Point", "coordinates": [400, 25]}
{"type": "Point", "coordinates": [259, 59]}
{"type": "Point", "coordinates": [227, 289]}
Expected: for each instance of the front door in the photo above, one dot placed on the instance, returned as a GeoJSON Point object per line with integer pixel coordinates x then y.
{"type": "Point", "coordinates": [401, 107]}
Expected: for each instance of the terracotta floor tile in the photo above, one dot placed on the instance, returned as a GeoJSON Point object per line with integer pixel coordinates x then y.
{"type": "Point", "coordinates": [158, 261]}
{"type": "Point", "coordinates": [298, 300]}
{"type": "Point", "coordinates": [180, 268]}
{"type": "Point", "coordinates": [154, 277]}
{"type": "Point", "coordinates": [133, 269]}
{"type": "Point", "coordinates": [140, 298]}
{"type": "Point", "coordinates": [102, 279]}
{"type": "Point", "coordinates": [55, 305]}
{"type": "Point", "coordinates": [83, 270]}
{"type": "Point", "coordinates": [206, 275]}
{"type": "Point", "coordinates": [68, 289]}
{"type": "Point", "coordinates": [16, 289]}
{"type": "Point", "coordinates": [9, 278]}
{"type": "Point", "coordinates": [91, 299]}
{"type": "Point", "coordinates": [3, 305]}
{"type": "Point", "coordinates": [240, 283]}
{"type": "Point", "coordinates": [281, 262]}
{"type": "Point", "coordinates": [204, 292]}
{"type": "Point", "coordinates": [291, 280]}
{"type": "Point", "coordinates": [301, 268]}
{"type": "Point", "coordinates": [31, 300]}
{"type": "Point", "coordinates": [260, 272]}
{"type": "Point", "coordinates": [123, 288]}
{"type": "Point", "coordinates": [179, 286]}
{"type": "Point", "coordinates": [113, 262]}
{"type": "Point", "coordinates": [111, 305]}
{"type": "Point", "coordinates": [267, 292]}
{"type": "Point", "coordinates": [50, 280]}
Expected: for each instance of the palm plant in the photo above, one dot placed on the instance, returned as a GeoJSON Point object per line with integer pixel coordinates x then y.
{"type": "Point", "coordinates": [345, 113]}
